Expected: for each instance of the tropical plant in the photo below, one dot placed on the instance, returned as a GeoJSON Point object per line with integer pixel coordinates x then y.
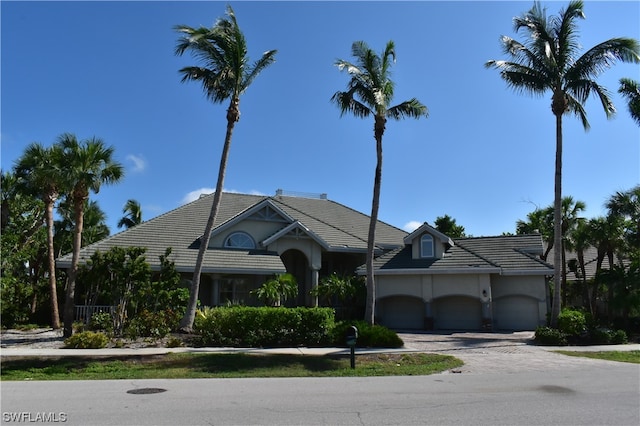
{"type": "Point", "coordinates": [39, 172]}
{"type": "Point", "coordinates": [631, 91]}
{"type": "Point", "coordinates": [226, 74]}
{"type": "Point", "coordinates": [277, 290]}
{"type": "Point", "coordinates": [549, 60]}
{"type": "Point", "coordinates": [370, 93]}
{"type": "Point", "coordinates": [539, 221]}
{"type": "Point", "coordinates": [626, 204]}
{"type": "Point", "coordinates": [94, 226]}
{"type": "Point", "coordinates": [132, 214]}
{"type": "Point", "coordinates": [571, 210]}
{"type": "Point", "coordinates": [448, 226]}
{"type": "Point", "coordinates": [89, 164]}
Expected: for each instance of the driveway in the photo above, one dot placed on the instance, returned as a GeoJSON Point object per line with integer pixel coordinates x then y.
{"type": "Point", "coordinates": [502, 352]}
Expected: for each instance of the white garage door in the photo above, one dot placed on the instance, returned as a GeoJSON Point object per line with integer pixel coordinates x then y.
{"type": "Point", "coordinates": [402, 312]}
{"type": "Point", "coordinates": [515, 313]}
{"type": "Point", "coordinates": [458, 313]}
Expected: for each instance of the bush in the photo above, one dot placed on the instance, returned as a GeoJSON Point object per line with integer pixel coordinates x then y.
{"type": "Point", "coordinates": [619, 337]}
{"type": "Point", "coordinates": [550, 336]}
{"type": "Point", "coordinates": [152, 324]}
{"type": "Point", "coordinates": [86, 340]}
{"type": "Point", "coordinates": [368, 335]}
{"type": "Point", "coordinates": [254, 327]}
{"type": "Point", "coordinates": [572, 322]}
{"type": "Point", "coordinates": [101, 321]}
{"type": "Point", "coordinates": [606, 336]}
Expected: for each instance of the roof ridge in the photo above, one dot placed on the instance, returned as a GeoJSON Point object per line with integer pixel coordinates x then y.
{"type": "Point", "coordinates": [320, 220]}
{"type": "Point", "coordinates": [532, 257]}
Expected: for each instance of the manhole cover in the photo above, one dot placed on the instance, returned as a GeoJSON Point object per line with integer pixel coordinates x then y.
{"type": "Point", "coordinates": [146, 391]}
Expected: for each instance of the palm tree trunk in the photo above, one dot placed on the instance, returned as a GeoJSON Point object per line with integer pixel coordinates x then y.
{"type": "Point", "coordinates": [69, 304]}
{"type": "Point", "coordinates": [369, 314]}
{"type": "Point", "coordinates": [233, 115]}
{"type": "Point", "coordinates": [53, 288]}
{"type": "Point", "coordinates": [557, 226]}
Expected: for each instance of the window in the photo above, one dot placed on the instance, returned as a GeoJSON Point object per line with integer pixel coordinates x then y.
{"type": "Point", "coordinates": [426, 246]}
{"type": "Point", "coordinates": [240, 240]}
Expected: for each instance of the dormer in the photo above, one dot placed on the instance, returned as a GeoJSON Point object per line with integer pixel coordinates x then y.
{"type": "Point", "coordinates": [428, 243]}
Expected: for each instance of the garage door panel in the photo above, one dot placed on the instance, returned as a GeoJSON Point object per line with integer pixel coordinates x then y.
{"type": "Point", "coordinates": [458, 313]}
{"type": "Point", "coordinates": [515, 313]}
{"type": "Point", "coordinates": [402, 313]}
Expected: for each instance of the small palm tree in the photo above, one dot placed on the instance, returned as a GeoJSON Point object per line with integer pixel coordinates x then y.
{"type": "Point", "coordinates": [89, 164]}
{"type": "Point", "coordinates": [631, 91]}
{"type": "Point", "coordinates": [549, 61]}
{"type": "Point", "coordinates": [277, 290]}
{"type": "Point", "coordinates": [370, 93]}
{"type": "Point", "coordinates": [132, 214]}
{"type": "Point", "coordinates": [225, 75]}
{"type": "Point", "coordinates": [39, 172]}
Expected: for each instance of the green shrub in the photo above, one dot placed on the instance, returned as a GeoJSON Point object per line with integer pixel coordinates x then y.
{"type": "Point", "coordinates": [368, 335]}
{"type": "Point", "coordinates": [101, 321]}
{"type": "Point", "coordinates": [600, 336]}
{"type": "Point", "coordinates": [572, 322]}
{"type": "Point", "coordinates": [264, 326]}
{"type": "Point", "coordinates": [550, 336]}
{"type": "Point", "coordinates": [619, 337]}
{"type": "Point", "coordinates": [86, 340]}
{"type": "Point", "coordinates": [152, 324]}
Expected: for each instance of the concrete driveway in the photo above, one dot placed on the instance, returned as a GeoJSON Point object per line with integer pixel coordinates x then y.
{"type": "Point", "coordinates": [502, 352]}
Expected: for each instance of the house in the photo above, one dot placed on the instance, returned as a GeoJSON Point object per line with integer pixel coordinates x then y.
{"type": "Point", "coordinates": [424, 279]}
{"type": "Point", "coordinates": [435, 282]}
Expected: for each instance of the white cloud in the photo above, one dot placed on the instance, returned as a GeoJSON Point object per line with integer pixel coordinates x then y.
{"type": "Point", "coordinates": [139, 164]}
{"type": "Point", "coordinates": [194, 195]}
{"type": "Point", "coordinates": [412, 225]}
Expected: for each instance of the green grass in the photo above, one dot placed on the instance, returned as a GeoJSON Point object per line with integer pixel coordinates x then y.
{"type": "Point", "coordinates": [620, 356]}
{"type": "Point", "coordinates": [191, 366]}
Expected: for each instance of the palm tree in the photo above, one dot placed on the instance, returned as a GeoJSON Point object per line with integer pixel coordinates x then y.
{"type": "Point", "coordinates": [448, 226]}
{"type": "Point", "coordinates": [89, 164]}
{"type": "Point", "coordinates": [226, 74]}
{"type": "Point", "coordinates": [570, 222]}
{"type": "Point", "coordinates": [631, 91]}
{"type": "Point", "coordinates": [549, 61]}
{"type": "Point", "coordinates": [539, 221]}
{"type": "Point", "coordinates": [370, 93]}
{"type": "Point", "coordinates": [40, 172]}
{"type": "Point", "coordinates": [132, 214]}
{"type": "Point", "coordinates": [626, 204]}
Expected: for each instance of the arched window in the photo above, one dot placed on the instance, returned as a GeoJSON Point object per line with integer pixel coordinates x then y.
{"type": "Point", "coordinates": [426, 246]}
{"type": "Point", "coordinates": [240, 240]}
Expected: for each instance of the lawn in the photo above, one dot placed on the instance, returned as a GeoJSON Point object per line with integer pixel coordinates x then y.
{"type": "Point", "coordinates": [191, 366]}
{"type": "Point", "coordinates": [620, 356]}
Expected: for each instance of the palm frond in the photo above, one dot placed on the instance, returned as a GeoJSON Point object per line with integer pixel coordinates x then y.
{"type": "Point", "coordinates": [631, 91]}
{"type": "Point", "coordinates": [411, 108]}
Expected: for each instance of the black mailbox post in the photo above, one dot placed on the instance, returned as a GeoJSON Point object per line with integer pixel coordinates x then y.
{"type": "Point", "coordinates": [351, 337]}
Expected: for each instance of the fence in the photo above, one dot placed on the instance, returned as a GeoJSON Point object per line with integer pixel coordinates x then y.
{"type": "Point", "coordinates": [85, 312]}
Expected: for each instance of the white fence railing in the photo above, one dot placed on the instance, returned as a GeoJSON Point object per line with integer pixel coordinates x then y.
{"type": "Point", "coordinates": [85, 312]}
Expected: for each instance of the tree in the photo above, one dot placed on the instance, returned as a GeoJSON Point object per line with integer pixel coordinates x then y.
{"type": "Point", "coordinates": [631, 91]}
{"type": "Point", "coordinates": [370, 93]}
{"type": "Point", "coordinates": [226, 74]}
{"type": "Point", "coordinates": [549, 60]}
{"type": "Point", "coordinates": [447, 225]}
{"type": "Point", "coordinates": [571, 220]}
{"type": "Point", "coordinates": [626, 204]}
{"type": "Point", "coordinates": [277, 290]}
{"type": "Point", "coordinates": [132, 214]}
{"type": "Point", "coordinates": [40, 173]}
{"type": "Point", "coordinates": [89, 164]}
{"type": "Point", "coordinates": [539, 221]}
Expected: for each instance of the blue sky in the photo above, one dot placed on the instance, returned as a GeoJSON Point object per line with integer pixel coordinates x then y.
{"type": "Point", "coordinates": [485, 155]}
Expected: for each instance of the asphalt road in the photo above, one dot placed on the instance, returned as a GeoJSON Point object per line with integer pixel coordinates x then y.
{"type": "Point", "coordinates": [606, 395]}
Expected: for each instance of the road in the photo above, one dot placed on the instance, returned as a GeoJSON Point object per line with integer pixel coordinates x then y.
{"type": "Point", "coordinates": [604, 395]}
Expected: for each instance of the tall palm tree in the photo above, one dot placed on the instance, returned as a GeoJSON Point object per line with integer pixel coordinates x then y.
{"type": "Point", "coordinates": [226, 74]}
{"type": "Point", "coordinates": [549, 60]}
{"type": "Point", "coordinates": [631, 91]}
{"type": "Point", "coordinates": [370, 93]}
{"type": "Point", "coordinates": [132, 214]}
{"type": "Point", "coordinates": [626, 204]}
{"type": "Point", "coordinates": [40, 172]}
{"type": "Point", "coordinates": [89, 164]}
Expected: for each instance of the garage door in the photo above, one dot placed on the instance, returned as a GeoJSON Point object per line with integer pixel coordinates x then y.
{"type": "Point", "coordinates": [457, 313]}
{"type": "Point", "coordinates": [515, 313]}
{"type": "Point", "coordinates": [401, 312]}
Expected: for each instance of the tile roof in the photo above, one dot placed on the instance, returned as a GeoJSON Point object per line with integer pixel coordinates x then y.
{"type": "Point", "coordinates": [340, 227]}
{"type": "Point", "coordinates": [517, 254]}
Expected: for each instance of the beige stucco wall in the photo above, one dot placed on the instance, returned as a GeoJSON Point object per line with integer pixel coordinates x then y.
{"type": "Point", "coordinates": [430, 287]}
{"type": "Point", "coordinates": [415, 247]}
